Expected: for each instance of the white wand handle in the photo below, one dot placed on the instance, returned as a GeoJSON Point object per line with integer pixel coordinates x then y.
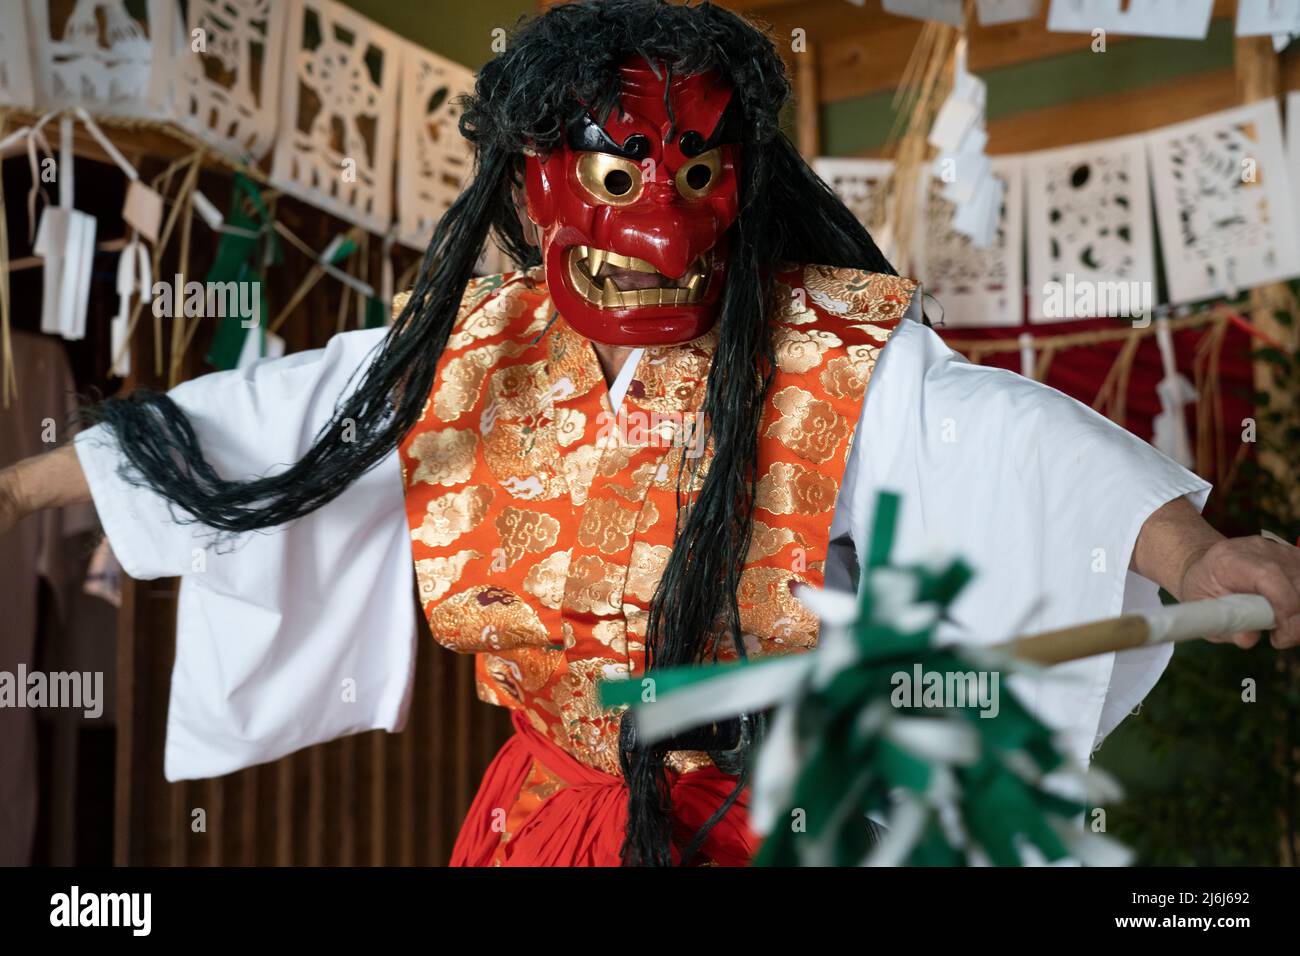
{"type": "Point", "coordinates": [1165, 625]}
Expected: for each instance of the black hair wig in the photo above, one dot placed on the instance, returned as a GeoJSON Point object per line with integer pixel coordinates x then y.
{"type": "Point", "coordinates": [553, 67]}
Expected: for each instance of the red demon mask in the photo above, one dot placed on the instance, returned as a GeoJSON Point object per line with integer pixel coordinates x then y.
{"type": "Point", "coordinates": [633, 213]}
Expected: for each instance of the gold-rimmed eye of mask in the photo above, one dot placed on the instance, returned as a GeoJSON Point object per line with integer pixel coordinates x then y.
{"type": "Point", "coordinates": [698, 175]}
{"type": "Point", "coordinates": [610, 180]}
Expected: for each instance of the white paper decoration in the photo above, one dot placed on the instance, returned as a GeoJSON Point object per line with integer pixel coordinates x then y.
{"type": "Point", "coordinates": [945, 11]}
{"type": "Point", "coordinates": [217, 71]}
{"type": "Point", "coordinates": [1223, 202]}
{"type": "Point", "coordinates": [434, 162]}
{"type": "Point", "coordinates": [993, 12]}
{"type": "Point", "coordinates": [15, 62]}
{"type": "Point", "coordinates": [1091, 249]}
{"type": "Point", "coordinates": [1267, 17]}
{"type": "Point", "coordinates": [974, 286]}
{"type": "Point", "coordinates": [78, 63]}
{"type": "Point", "coordinates": [860, 184]}
{"type": "Point", "coordinates": [962, 166]}
{"type": "Point", "coordinates": [338, 112]}
{"type": "Point", "coordinates": [1293, 144]}
{"type": "Point", "coordinates": [1186, 19]}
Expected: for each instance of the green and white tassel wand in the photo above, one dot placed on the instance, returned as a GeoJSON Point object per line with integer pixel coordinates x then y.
{"type": "Point", "coordinates": [953, 784]}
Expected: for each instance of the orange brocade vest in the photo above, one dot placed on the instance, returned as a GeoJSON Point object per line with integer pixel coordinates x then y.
{"type": "Point", "coordinates": [541, 523]}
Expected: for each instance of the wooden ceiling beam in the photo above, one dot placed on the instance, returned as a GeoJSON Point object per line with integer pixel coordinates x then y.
{"type": "Point", "coordinates": [1105, 117]}
{"type": "Point", "coordinates": [1124, 114]}
{"type": "Point", "coordinates": [863, 50]}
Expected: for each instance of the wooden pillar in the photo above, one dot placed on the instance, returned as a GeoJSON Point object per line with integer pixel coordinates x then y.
{"type": "Point", "coordinates": [808, 122]}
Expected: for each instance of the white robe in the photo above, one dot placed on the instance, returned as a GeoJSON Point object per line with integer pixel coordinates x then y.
{"type": "Point", "coordinates": [302, 634]}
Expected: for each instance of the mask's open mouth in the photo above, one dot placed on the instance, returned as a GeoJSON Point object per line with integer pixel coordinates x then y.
{"type": "Point", "coordinates": [608, 280]}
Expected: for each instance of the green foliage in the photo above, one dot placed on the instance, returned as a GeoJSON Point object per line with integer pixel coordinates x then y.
{"type": "Point", "coordinates": [1209, 778]}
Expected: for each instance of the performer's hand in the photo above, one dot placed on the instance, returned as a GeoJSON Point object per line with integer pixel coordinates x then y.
{"type": "Point", "coordinates": [1249, 566]}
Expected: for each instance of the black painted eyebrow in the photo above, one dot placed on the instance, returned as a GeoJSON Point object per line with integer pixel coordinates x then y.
{"type": "Point", "coordinates": [586, 135]}
{"type": "Point", "coordinates": [728, 128]}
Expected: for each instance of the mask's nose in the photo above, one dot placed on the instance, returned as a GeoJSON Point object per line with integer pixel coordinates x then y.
{"type": "Point", "coordinates": [669, 236]}
{"type": "Point", "coordinates": [662, 193]}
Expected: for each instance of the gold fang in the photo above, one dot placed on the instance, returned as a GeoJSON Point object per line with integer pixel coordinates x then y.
{"type": "Point", "coordinates": [585, 263]}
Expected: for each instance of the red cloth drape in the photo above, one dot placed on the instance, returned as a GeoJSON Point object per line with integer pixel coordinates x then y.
{"type": "Point", "coordinates": [582, 823]}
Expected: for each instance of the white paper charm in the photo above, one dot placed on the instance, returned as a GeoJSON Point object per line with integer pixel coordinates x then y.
{"type": "Point", "coordinates": [1224, 203]}
{"type": "Point", "coordinates": [133, 274]}
{"type": "Point", "coordinates": [259, 344]}
{"type": "Point", "coordinates": [1187, 19]}
{"type": "Point", "coordinates": [65, 239]}
{"type": "Point", "coordinates": [434, 161]}
{"type": "Point", "coordinates": [962, 166]}
{"type": "Point", "coordinates": [1091, 249]}
{"type": "Point", "coordinates": [1175, 391]}
{"type": "Point", "coordinates": [974, 286]}
{"type": "Point", "coordinates": [338, 115]}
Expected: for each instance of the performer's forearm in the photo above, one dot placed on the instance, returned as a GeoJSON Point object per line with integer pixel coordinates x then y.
{"type": "Point", "coordinates": [51, 480]}
{"type": "Point", "coordinates": [1172, 539]}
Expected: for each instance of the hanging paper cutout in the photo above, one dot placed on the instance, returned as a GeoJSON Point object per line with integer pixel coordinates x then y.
{"type": "Point", "coordinates": [433, 161]}
{"type": "Point", "coordinates": [1091, 249]}
{"type": "Point", "coordinates": [15, 62]}
{"type": "Point", "coordinates": [1293, 143]}
{"type": "Point", "coordinates": [221, 75]}
{"type": "Point", "coordinates": [1185, 19]}
{"type": "Point", "coordinates": [338, 115]}
{"type": "Point", "coordinates": [1223, 203]}
{"type": "Point", "coordinates": [863, 185]}
{"type": "Point", "coordinates": [993, 12]}
{"type": "Point", "coordinates": [1257, 18]}
{"type": "Point", "coordinates": [973, 285]}
{"type": "Point", "coordinates": [98, 56]}
{"type": "Point", "coordinates": [945, 11]}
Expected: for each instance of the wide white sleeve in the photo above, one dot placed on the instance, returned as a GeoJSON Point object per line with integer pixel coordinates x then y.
{"type": "Point", "coordinates": [288, 637]}
{"type": "Point", "coordinates": [1040, 494]}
